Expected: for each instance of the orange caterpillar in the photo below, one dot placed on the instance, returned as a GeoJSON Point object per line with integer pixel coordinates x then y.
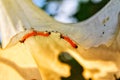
{"type": "Point", "coordinates": [34, 33]}
{"type": "Point", "coordinates": [70, 41]}
{"type": "Point", "coordinates": [46, 34]}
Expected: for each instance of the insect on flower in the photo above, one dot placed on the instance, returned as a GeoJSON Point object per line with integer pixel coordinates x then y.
{"type": "Point", "coordinates": [34, 33]}
{"type": "Point", "coordinates": [46, 34]}
{"type": "Point", "coordinates": [69, 40]}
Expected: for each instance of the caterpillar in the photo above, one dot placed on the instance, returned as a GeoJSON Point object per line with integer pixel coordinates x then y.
{"type": "Point", "coordinates": [34, 33]}
{"type": "Point", "coordinates": [69, 41]}
{"type": "Point", "coordinates": [46, 34]}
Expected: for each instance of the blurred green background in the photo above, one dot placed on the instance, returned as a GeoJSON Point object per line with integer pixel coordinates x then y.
{"type": "Point", "coordinates": [88, 9]}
